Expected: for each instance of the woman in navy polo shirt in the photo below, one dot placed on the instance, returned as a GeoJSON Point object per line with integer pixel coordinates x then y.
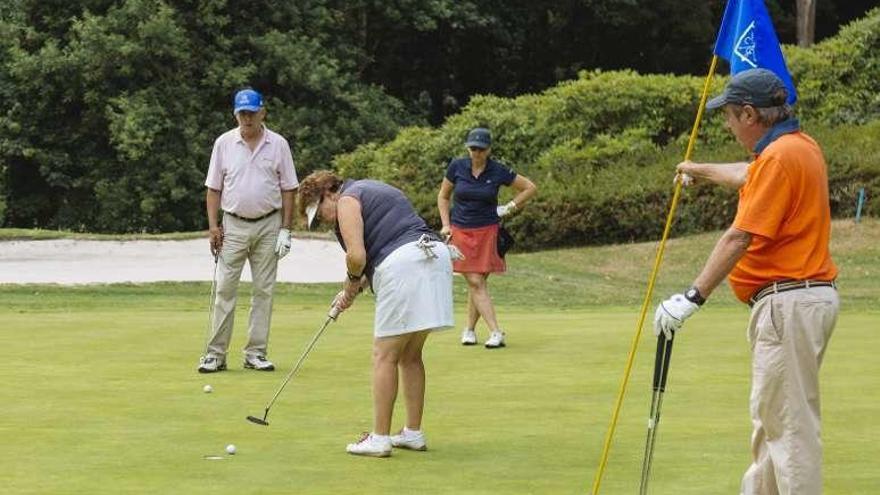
{"type": "Point", "coordinates": [473, 183]}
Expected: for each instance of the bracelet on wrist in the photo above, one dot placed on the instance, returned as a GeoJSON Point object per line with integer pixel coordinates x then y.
{"type": "Point", "coordinates": [354, 278]}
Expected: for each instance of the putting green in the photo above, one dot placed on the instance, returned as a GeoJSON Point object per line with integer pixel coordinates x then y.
{"type": "Point", "coordinates": [100, 395]}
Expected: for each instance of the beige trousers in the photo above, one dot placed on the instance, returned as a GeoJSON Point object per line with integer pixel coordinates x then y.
{"type": "Point", "coordinates": [788, 332]}
{"type": "Point", "coordinates": [254, 242]}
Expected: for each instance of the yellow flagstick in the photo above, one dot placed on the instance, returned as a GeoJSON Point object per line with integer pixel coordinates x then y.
{"type": "Point", "coordinates": [645, 304]}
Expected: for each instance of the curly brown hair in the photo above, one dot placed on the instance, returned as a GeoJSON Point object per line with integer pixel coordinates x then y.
{"type": "Point", "coordinates": [314, 186]}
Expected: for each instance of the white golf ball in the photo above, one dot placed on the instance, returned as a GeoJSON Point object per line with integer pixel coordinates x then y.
{"type": "Point", "coordinates": [208, 389]}
{"type": "Point", "coordinates": [230, 449]}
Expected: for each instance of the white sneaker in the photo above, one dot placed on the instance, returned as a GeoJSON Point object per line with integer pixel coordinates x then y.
{"type": "Point", "coordinates": [211, 364]}
{"type": "Point", "coordinates": [468, 337]}
{"type": "Point", "coordinates": [259, 363]}
{"type": "Point", "coordinates": [496, 340]}
{"type": "Point", "coordinates": [409, 439]}
{"type": "Point", "coordinates": [371, 445]}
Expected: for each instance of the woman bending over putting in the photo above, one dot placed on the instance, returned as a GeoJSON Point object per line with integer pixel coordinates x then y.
{"type": "Point", "coordinates": [390, 248]}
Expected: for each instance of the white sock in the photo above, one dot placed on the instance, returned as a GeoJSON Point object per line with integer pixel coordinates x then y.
{"type": "Point", "coordinates": [384, 438]}
{"type": "Point", "coordinates": [407, 431]}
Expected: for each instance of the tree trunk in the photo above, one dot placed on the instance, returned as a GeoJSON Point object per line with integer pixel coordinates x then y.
{"type": "Point", "coordinates": [806, 22]}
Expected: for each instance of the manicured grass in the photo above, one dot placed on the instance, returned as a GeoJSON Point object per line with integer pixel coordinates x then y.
{"type": "Point", "coordinates": [100, 395]}
{"type": "Point", "coordinates": [618, 275]}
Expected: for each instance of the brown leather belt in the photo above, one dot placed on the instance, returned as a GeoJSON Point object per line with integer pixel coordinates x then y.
{"type": "Point", "coordinates": [787, 285]}
{"type": "Point", "coordinates": [267, 215]}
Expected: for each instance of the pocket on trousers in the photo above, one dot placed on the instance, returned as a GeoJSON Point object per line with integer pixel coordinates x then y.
{"type": "Point", "coordinates": [768, 327]}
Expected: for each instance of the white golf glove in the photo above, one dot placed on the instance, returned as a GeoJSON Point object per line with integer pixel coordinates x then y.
{"type": "Point", "coordinates": [282, 245]}
{"type": "Point", "coordinates": [671, 313]}
{"type": "Point", "coordinates": [455, 253]}
{"type": "Point", "coordinates": [504, 210]}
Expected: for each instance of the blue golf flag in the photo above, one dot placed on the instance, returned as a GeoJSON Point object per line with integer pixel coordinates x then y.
{"type": "Point", "coordinates": [748, 41]}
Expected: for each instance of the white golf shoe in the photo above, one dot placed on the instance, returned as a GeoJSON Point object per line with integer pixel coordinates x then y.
{"type": "Point", "coordinates": [257, 362]}
{"type": "Point", "coordinates": [468, 337]}
{"type": "Point", "coordinates": [409, 439]}
{"type": "Point", "coordinates": [496, 340]}
{"type": "Point", "coordinates": [211, 364]}
{"type": "Point", "coordinates": [371, 445]}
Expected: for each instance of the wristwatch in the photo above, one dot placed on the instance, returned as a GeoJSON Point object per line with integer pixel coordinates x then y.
{"type": "Point", "coordinates": [693, 295]}
{"type": "Point", "coordinates": [353, 277]}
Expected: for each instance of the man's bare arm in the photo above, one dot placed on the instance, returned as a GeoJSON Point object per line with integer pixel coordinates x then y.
{"type": "Point", "coordinates": [731, 175]}
{"type": "Point", "coordinates": [727, 252]}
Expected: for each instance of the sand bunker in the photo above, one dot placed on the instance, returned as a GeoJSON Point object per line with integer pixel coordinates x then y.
{"type": "Point", "coordinates": [87, 262]}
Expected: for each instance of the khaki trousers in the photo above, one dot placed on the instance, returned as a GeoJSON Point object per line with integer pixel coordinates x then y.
{"type": "Point", "coordinates": [254, 242]}
{"type": "Point", "coordinates": [788, 333]}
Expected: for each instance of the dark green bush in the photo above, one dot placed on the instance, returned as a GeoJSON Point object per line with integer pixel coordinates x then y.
{"type": "Point", "coordinates": [628, 200]}
{"type": "Point", "coordinates": [602, 149]}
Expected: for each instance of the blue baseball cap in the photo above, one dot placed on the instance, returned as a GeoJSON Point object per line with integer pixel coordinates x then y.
{"type": "Point", "coordinates": [759, 88]}
{"type": "Point", "coordinates": [248, 100]}
{"type": "Point", "coordinates": [479, 137]}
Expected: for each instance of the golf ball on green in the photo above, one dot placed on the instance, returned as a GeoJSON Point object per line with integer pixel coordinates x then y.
{"type": "Point", "coordinates": [208, 389]}
{"type": "Point", "coordinates": [230, 449]}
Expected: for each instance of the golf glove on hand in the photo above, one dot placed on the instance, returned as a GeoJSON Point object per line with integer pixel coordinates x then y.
{"type": "Point", "coordinates": [282, 245]}
{"type": "Point", "coordinates": [455, 253]}
{"type": "Point", "coordinates": [671, 313]}
{"type": "Point", "coordinates": [505, 210]}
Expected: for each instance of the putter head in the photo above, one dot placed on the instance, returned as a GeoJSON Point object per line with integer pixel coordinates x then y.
{"type": "Point", "coordinates": [258, 421]}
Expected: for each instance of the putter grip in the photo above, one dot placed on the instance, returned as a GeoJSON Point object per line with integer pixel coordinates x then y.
{"type": "Point", "coordinates": [334, 312]}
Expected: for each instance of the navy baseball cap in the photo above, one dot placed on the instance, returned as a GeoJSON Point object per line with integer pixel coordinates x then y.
{"type": "Point", "coordinates": [479, 137]}
{"type": "Point", "coordinates": [759, 88]}
{"type": "Point", "coordinates": [248, 100]}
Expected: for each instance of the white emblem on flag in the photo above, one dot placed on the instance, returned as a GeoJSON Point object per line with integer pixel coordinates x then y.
{"type": "Point", "coordinates": [746, 46]}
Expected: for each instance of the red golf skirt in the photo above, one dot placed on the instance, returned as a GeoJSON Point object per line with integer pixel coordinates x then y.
{"type": "Point", "coordinates": [479, 245]}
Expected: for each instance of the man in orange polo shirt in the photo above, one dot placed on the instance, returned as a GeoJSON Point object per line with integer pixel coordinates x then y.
{"type": "Point", "coordinates": [776, 258]}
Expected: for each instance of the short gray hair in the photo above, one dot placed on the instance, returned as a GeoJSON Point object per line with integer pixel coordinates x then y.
{"type": "Point", "coordinates": [773, 115]}
{"type": "Point", "coordinates": [769, 116]}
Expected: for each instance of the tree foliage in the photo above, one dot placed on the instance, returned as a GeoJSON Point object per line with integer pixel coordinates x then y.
{"type": "Point", "coordinates": [111, 106]}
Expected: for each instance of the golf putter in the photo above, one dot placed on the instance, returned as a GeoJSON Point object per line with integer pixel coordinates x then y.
{"type": "Point", "coordinates": [331, 316]}
{"type": "Point", "coordinates": [661, 370]}
{"type": "Point", "coordinates": [210, 330]}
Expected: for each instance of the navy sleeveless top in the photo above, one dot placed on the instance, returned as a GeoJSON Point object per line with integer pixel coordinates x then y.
{"type": "Point", "coordinates": [390, 221]}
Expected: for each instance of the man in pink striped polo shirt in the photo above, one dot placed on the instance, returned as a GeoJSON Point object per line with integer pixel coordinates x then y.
{"type": "Point", "coordinates": [252, 179]}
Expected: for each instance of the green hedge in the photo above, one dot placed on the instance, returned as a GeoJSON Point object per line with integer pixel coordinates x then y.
{"type": "Point", "coordinates": [839, 79]}
{"type": "Point", "coordinates": [628, 200]}
{"type": "Point", "coordinates": [602, 148]}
